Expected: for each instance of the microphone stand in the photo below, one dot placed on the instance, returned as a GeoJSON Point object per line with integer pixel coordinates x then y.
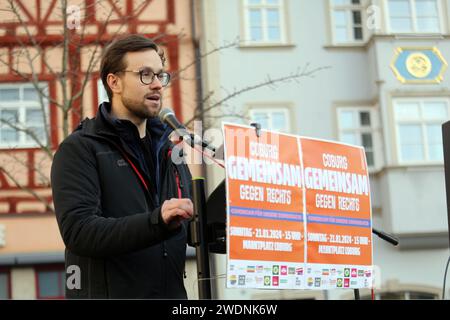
{"type": "Point", "coordinates": [198, 227]}
{"type": "Point", "coordinates": [386, 237]}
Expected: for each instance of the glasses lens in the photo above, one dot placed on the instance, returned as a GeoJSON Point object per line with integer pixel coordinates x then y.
{"type": "Point", "coordinates": [147, 76]}
{"type": "Point", "coordinates": [164, 78]}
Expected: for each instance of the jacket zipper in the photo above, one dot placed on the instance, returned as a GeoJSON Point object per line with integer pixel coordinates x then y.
{"type": "Point", "coordinates": [159, 147]}
{"type": "Point", "coordinates": [177, 178]}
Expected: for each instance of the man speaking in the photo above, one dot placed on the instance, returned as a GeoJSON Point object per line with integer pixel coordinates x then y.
{"type": "Point", "coordinates": [121, 204]}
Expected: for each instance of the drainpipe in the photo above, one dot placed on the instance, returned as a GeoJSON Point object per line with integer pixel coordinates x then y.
{"type": "Point", "coordinates": [198, 70]}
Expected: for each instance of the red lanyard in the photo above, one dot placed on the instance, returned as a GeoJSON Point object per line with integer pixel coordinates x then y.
{"type": "Point", "coordinates": [177, 178]}
{"type": "Point", "coordinates": [136, 170]}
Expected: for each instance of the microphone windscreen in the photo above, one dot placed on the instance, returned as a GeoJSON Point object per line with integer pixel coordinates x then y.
{"type": "Point", "coordinates": [164, 113]}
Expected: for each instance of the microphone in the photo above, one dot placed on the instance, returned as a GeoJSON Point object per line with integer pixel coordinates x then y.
{"type": "Point", "coordinates": [167, 116]}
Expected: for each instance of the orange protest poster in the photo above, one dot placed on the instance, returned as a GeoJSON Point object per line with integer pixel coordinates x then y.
{"type": "Point", "coordinates": [264, 209]}
{"type": "Point", "coordinates": [298, 212]}
{"type": "Point", "coordinates": [338, 215]}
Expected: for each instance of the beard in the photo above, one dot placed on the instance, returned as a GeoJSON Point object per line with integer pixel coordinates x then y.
{"type": "Point", "coordinates": [140, 109]}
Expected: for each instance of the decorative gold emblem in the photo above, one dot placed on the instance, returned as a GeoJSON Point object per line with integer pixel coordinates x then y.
{"type": "Point", "coordinates": [419, 65]}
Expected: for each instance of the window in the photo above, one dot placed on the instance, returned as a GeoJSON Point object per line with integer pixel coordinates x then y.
{"type": "Point", "coordinates": [20, 108]}
{"type": "Point", "coordinates": [359, 126]}
{"type": "Point", "coordinates": [276, 119]}
{"type": "Point", "coordinates": [5, 287]}
{"type": "Point", "coordinates": [414, 16]}
{"type": "Point", "coordinates": [264, 21]}
{"type": "Point", "coordinates": [347, 21]}
{"type": "Point", "coordinates": [51, 282]}
{"type": "Point", "coordinates": [418, 127]}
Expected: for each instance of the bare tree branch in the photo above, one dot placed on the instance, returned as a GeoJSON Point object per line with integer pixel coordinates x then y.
{"type": "Point", "coordinates": [35, 168]}
{"type": "Point", "coordinates": [23, 24]}
{"type": "Point", "coordinates": [300, 73]}
{"type": "Point", "coordinates": [28, 190]}
{"type": "Point", "coordinates": [226, 45]}
{"type": "Point", "coordinates": [30, 133]}
{"type": "Point", "coordinates": [34, 75]}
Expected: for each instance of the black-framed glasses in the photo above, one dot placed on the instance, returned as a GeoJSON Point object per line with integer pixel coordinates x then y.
{"type": "Point", "coordinates": [147, 76]}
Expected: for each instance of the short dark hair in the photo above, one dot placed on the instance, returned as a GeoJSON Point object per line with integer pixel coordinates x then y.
{"type": "Point", "coordinates": [112, 59]}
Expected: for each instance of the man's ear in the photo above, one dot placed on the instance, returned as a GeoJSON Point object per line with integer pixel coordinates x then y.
{"type": "Point", "coordinates": [114, 82]}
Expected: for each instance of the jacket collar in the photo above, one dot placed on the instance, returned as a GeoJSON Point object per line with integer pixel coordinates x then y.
{"type": "Point", "coordinates": [105, 124]}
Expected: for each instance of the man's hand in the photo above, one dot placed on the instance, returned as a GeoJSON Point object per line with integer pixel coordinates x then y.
{"type": "Point", "coordinates": [174, 211]}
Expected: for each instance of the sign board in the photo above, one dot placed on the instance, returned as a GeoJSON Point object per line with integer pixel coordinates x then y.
{"type": "Point", "coordinates": [298, 212]}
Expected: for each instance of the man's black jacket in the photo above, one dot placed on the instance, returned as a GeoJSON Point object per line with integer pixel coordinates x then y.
{"type": "Point", "coordinates": [111, 225]}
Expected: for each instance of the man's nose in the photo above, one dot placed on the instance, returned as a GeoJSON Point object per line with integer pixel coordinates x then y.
{"type": "Point", "coordinates": [156, 84]}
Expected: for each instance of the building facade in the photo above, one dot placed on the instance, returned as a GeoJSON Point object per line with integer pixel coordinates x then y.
{"type": "Point", "coordinates": [383, 83]}
{"type": "Point", "coordinates": [49, 81]}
